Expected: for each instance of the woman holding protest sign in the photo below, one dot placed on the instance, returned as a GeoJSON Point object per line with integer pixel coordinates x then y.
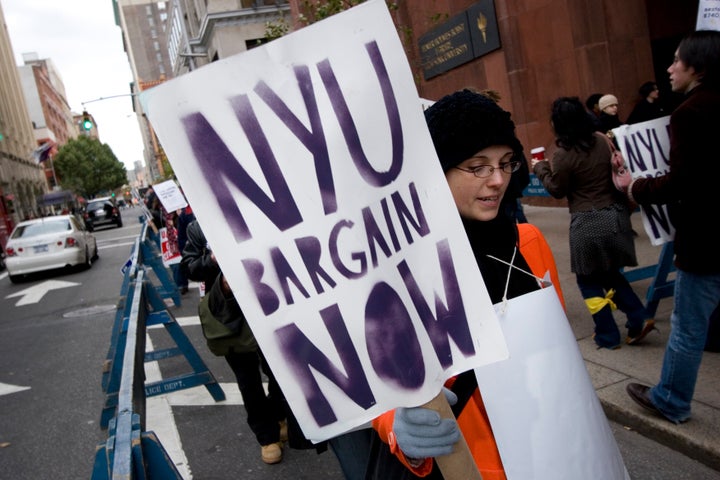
{"type": "Point", "coordinates": [480, 155]}
{"type": "Point", "coordinates": [689, 188]}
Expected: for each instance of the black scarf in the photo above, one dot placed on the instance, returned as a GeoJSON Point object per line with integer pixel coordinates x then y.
{"type": "Point", "coordinates": [498, 238]}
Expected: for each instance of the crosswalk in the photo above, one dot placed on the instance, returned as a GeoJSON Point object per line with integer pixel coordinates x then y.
{"type": "Point", "coordinates": [159, 415]}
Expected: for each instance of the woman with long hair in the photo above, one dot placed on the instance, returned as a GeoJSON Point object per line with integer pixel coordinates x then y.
{"type": "Point", "coordinates": [601, 235]}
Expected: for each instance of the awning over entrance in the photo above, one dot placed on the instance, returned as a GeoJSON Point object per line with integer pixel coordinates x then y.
{"type": "Point", "coordinates": [56, 198]}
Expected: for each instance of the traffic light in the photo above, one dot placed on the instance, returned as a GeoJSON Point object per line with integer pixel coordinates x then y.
{"type": "Point", "coordinates": [86, 123]}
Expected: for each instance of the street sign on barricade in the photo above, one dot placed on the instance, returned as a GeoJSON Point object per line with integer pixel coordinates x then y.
{"type": "Point", "coordinates": [535, 188]}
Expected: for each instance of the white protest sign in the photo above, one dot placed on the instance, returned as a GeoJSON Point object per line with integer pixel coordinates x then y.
{"type": "Point", "coordinates": [170, 195]}
{"type": "Point", "coordinates": [646, 148]}
{"type": "Point", "coordinates": [708, 17]}
{"type": "Point", "coordinates": [548, 421]}
{"type": "Point", "coordinates": [309, 166]}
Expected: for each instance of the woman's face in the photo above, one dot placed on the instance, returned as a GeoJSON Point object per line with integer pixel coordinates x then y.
{"type": "Point", "coordinates": [682, 78]}
{"type": "Point", "coordinates": [611, 109]}
{"type": "Point", "coordinates": [479, 198]}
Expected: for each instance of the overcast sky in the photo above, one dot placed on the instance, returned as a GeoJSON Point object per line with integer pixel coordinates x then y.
{"type": "Point", "coordinates": [85, 45]}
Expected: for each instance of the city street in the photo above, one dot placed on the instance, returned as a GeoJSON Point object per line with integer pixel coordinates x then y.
{"type": "Point", "coordinates": [53, 347]}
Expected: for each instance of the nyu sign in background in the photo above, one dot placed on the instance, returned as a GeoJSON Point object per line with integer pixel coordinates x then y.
{"type": "Point", "coordinates": [646, 148]}
{"type": "Point", "coordinates": [309, 166]}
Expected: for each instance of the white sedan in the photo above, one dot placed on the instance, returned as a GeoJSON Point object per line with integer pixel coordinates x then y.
{"type": "Point", "coordinates": [49, 243]}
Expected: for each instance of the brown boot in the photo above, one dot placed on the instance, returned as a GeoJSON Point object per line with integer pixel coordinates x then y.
{"type": "Point", "coordinates": [648, 327]}
{"type": "Point", "coordinates": [271, 453]}
{"type": "Point", "coordinates": [283, 431]}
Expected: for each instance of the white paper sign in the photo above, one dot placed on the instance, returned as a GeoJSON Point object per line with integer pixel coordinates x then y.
{"type": "Point", "coordinates": [708, 17]}
{"type": "Point", "coordinates": [646, 148]}
{"type": "Point", "coordinates": [310, 169]}
{"type": "Point", "coordinates": [170, 195]}
{"type": "Point", "coordinates": [547, 420]}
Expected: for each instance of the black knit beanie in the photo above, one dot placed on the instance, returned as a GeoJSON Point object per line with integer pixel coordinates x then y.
{"type": "Point", "coordinates": [463, 123]}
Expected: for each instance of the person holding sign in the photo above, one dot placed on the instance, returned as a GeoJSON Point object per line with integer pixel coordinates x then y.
{"type": "Point", "coordinates": [690, 190]}
{"type": "Point", "coordinates": [601, 236]}
{"type": "Point", "coordinates": [475, 141]}
{"type": "Point", "coordinates": [228, 335]}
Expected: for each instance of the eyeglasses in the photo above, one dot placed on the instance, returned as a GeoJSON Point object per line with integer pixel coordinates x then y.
{"type": "Point", "coordinates": [484, 171]}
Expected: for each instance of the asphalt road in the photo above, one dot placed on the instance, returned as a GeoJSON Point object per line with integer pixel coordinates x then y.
{"type": "Point", "coordinates": [51, 359]}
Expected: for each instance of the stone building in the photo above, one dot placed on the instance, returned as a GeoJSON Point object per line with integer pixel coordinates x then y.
{"type": "Point", "coordinates": [529, 51]}
{"type": "Point", "coordinates": [144, 29]}
{"type": "Point", "coordinates": [50, 113]}
{"type": "Point", "coordinates": [533, 51]}
{"type": "Point", "coordinates": [21, 177]}
{"type": "Point", "coordinates": [165, 39]}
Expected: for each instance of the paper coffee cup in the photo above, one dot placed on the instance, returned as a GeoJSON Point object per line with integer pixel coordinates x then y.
{"type": "Point", "coordinates": [538, 153]}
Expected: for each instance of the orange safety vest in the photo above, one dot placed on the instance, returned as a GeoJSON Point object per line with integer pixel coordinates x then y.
{"type": "Point", "coordinates": [538, 255]}
{"type": "Point", "coordinates": [473, 419]}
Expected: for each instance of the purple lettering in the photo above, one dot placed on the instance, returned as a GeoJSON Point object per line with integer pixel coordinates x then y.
{"type": "Point", "coordinates": [447, 322]}
{"type": "Point", "coordinates": [304, 358]}
{"type": "Point", "coordinates": [392, 342]}
{"type": "Point", "coordinates": [220, 167]}
{"type": "Point", "coordinates": [347, 124]}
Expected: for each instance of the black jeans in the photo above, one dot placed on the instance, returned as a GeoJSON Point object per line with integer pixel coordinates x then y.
{"type": "Point", "coordinates": [264, 412]}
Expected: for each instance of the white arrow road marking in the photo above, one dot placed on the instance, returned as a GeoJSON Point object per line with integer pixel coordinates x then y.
{"type": "Point", "coordinates": [7, 389]}
{"type": "Point", "coordinates": [159, 419]}
{"type": "Point", "coordinates": [35, 293]}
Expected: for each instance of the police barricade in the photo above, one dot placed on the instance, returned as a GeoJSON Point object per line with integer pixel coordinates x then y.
{"type": "Point", "coordinates": [129, 451]}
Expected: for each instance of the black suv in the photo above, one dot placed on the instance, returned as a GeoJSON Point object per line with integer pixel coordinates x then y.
{"type": "Point", "coordinates": [102, 211]}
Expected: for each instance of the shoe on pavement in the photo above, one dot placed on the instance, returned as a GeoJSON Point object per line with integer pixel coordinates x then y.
{"type": "Point", "coordinates": [610, 347]}
{"type": "Point", "coordinates": [271, 453]}
{"type": "Point", "coordinates": [648, 327]}
{"type": "Point", "coordinates": [640, 395]}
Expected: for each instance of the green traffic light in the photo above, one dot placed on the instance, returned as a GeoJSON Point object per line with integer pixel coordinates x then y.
{"type": "Point", "coordinates": [86, 123]}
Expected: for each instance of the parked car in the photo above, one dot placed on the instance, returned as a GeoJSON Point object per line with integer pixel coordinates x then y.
{"type": "Point", "coordinates": [49, 243]}
{"type": "Point", "coordinates": [102, 211]}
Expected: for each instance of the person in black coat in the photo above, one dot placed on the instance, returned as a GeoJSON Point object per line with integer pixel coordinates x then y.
{"type": "Point", "coordinates": [649, 106]}
{"type": "Point", "coordinates": [266, 413]}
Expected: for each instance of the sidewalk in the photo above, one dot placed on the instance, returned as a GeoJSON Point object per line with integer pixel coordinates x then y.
{"type": "Point", "coordinates": [612, 370]}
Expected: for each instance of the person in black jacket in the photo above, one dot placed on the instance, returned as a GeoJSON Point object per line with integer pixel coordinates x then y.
{"type": "Point", "coordinates": [689, 189]}
{"type": "Point", "coordinates": [269, 416]}
{"type": "Point", "coordinates": [608, 118]}
{"type": "Point", "coordinates": [649, 106]}
{"type": "Point", "coordinates": [266, 414]}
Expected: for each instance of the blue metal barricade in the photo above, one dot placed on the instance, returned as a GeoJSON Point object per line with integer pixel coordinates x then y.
{"type": "Point", "coordinates": [130, 452]}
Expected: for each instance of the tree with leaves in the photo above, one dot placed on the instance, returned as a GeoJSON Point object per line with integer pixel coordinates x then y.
{"type": "Point", "coordinates": [88, 167]}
